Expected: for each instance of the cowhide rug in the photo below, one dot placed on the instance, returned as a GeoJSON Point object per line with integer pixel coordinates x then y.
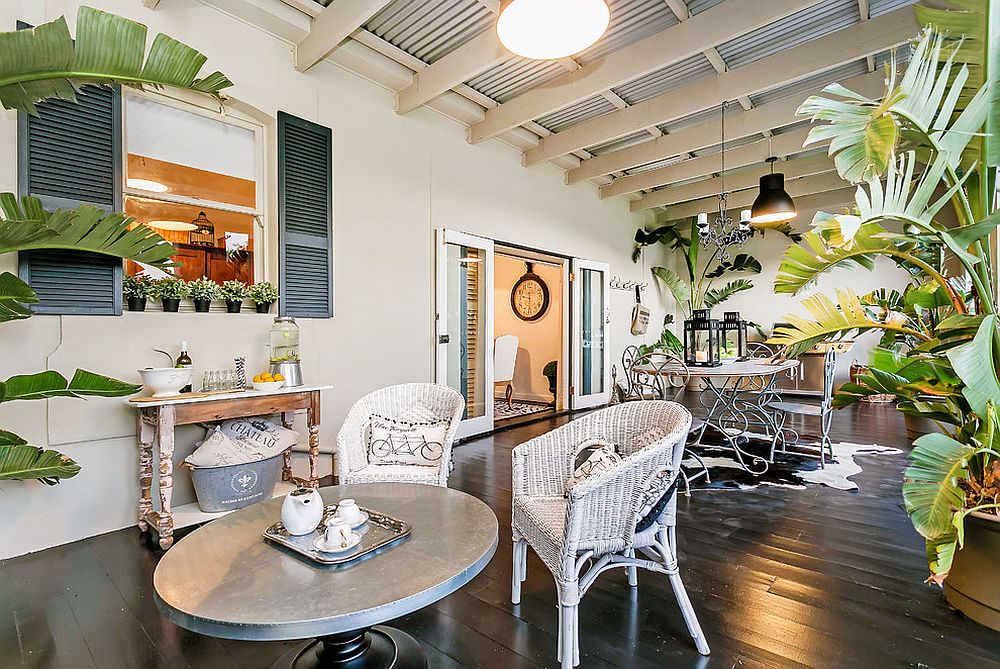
{"type": "Point", "coordinates": [789, 469]}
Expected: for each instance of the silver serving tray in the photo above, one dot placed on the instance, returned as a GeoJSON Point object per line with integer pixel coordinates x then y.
{"type": "Point", "coordinates": [377, 533]}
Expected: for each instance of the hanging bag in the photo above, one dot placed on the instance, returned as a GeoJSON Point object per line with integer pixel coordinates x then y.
{"type": "Point", "coordinates": [640, 315]}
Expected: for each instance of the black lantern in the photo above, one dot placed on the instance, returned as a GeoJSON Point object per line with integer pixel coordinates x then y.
{"type": "Point", "coordinates": [702, 340]}
{"type": "Point", "coordinates": [204, 234]}
{"type": "Point", "coordinates": [734, 336]}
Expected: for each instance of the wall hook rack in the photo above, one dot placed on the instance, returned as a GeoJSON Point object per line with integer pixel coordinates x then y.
{"type": "Point", "coordinates": [618, 283]}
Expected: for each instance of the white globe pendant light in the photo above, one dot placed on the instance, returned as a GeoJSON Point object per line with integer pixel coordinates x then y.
{"type": "Point", "coordinates": [549, 29]}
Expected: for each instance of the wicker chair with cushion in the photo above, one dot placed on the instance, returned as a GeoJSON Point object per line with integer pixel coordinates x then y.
{"type": "Point", "coordinates": [417, 402]}
{"type": "Point", "coordinates": [604, 520]}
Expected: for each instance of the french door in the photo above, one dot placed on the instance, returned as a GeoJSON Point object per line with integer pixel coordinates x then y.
{"type": "Point", "coordinates": [591, 294]}
{"type": "Point", "coordinates": [464, 325]}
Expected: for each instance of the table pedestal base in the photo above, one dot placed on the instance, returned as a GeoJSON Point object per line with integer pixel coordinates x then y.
{"type": "Point", "coordinates": [377, 648]}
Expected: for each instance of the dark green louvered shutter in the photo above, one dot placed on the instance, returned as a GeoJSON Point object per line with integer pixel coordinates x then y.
{"type": "Point", "coordinates": [68, 155]}
{"type": "Point", "coordinates": [305, 217]}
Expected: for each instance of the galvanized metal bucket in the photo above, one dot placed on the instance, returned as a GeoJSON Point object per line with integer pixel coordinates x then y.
{"type": "Point", "coordinates": [229, 487]}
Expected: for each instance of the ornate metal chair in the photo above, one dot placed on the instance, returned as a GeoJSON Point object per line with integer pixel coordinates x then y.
{"type": "Point", "coordinates": [428, 402]}
{"type": "Point", "coordinates": [823, 411]}
{"type": "Point", "coordinates": [603, 521]}
{"type": "Point", "coordinates": [664, 376]}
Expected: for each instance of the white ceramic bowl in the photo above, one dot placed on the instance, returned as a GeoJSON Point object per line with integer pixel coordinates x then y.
{"type": "Point", "coordinates": [165, 381]}
{"type": "Point", "coordinates": [267, 386]}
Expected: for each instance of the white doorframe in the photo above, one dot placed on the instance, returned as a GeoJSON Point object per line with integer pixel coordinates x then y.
{"type": "Point", "coordinates": [583, 394]}
{"type": "Point", "coordinates": [484, 422]}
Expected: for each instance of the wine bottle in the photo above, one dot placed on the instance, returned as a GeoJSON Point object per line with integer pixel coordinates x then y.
{"type": "Point", "coordinates": [184, 360]}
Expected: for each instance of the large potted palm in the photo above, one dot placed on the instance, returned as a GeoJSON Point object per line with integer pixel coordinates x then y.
{"type": "Point", "coordinates": [43, 63]}
{"type": "Point", "coordinates": [925, 157]}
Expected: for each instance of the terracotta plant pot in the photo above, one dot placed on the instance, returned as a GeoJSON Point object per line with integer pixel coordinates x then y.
{"type": "Point", "coordinates": [263, 307]}
{"type": "Point", "coordinates": [234, 306]}
{"type": "Point", "coordinates": [170, 304]}
{"type": "Point", "coordinates": [137, 304]}
{"type": "Point", "coordinates": [972, 586]}
{"type": "Point", "coordinates": [202, 306]}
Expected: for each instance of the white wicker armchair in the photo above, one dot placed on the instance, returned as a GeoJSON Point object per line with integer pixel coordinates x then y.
{"type": "Point", "coordinates": [400, 401]}
{"type": "Point", "coordinates": [596, 523]}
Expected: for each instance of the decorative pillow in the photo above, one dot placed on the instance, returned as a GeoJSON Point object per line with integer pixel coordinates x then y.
{"type": "Point", "coordinates": [402, 442]}
{"type": "Point", "coordinates": [219, 449]}
{"type": "Point", "coordinates": [257, 434]}
{"type": "Point", "coordinates": [655, 499]}
{"type": "Point", "coordinates": [593, 456]}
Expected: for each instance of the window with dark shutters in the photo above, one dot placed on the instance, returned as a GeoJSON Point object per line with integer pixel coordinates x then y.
{"type": "Point", "coordinates": [305, 217]}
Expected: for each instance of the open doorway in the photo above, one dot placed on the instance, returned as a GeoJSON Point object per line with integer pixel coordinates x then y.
{"type": "Point", "coordinates": [530, 331]}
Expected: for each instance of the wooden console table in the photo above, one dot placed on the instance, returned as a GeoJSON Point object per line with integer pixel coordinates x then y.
{"type": "Point", "coordinates": [158, 418]}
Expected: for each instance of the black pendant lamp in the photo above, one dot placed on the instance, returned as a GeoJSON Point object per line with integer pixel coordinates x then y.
{"type": "Point", "coordinates": [773, 203]}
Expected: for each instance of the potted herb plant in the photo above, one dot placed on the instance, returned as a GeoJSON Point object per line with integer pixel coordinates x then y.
{"type": "Point", "coordinates": [931, 142]}
{"type": "Point", "coordinates": [234, 292]}
{"type": "Point", "coordinates": [263, 294]}
{"type": "Point", "coordinates": [136, 288]}
{"type": "Point", "coordinates": [171, 290]}
{"type": "Point", "coordinates": [203, 291]}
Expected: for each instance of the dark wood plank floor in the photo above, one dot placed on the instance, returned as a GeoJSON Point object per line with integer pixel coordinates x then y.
{"type": "Point", "coordinates": [779, 577]}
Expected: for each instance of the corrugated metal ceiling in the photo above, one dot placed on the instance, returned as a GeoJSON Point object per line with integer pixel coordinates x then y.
{"type": "Point", "coordinates": [429, 29]}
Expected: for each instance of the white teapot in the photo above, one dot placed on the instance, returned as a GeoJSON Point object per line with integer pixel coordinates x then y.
{"type": "Point", "coordinates": [302, 511]}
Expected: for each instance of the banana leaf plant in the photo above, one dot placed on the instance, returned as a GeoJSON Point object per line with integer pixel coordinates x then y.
{"type": "Point", "coordinates": [45, 63]}
{"type": "Point", "coordinates": [697, 289]}
{"type": "Point", "coordinates": [927, 144]}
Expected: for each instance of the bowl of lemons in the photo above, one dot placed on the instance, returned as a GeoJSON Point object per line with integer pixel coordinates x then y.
{"type": "Point", "coordinates": [268, 381]}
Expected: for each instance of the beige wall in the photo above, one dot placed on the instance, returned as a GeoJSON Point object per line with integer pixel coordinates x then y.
{"type": "Point", "coordinates": [538, 341]}
{"type": "Point", "coordinates": [396, 179]}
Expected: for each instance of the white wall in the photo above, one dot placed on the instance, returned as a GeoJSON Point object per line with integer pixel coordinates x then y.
{"type": "Point", "coordinates": [396, 178]}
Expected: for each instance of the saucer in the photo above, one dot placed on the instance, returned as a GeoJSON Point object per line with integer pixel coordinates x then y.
{"type": "Point", "coordinates": [320, 544]}
{"type": "Point", "coordinates": [358, 523]}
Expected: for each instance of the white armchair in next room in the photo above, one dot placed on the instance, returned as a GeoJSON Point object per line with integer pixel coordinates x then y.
{"type": "Point", "coordinates": [504, 357]}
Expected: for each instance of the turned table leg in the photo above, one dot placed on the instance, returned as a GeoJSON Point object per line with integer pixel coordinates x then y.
{"type": "Point", "coordinates": [145, 431]}
{"type": "Point", "coordinates": [287, 419]}
{"type": "Point", "coordinates": [165, 439]}
{"type": "Point", "coordinates": [313, 419]}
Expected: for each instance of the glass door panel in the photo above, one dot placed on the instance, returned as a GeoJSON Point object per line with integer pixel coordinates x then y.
{"type": "Point", "coordinates": [591, 308]}
{"type": "Point", "coordinates": [465, 325]}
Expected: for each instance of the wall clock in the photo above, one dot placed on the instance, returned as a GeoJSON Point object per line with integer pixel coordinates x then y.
{"type": "Point", "coordinates": [530, 296]}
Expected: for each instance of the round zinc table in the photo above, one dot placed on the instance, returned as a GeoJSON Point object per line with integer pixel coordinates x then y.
{"type": "Point", "coordinates": [226, 580]}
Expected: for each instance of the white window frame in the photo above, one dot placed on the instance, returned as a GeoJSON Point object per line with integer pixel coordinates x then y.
{"type": "Point", "coordinates": [262, 242]}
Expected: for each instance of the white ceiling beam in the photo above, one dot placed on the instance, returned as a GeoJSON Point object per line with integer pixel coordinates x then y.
{"type": "Point", "coordinates": [150, 4]}
{"type": "Point", "coordinates": [785, 67]}
{"type": "Point", "coordinates": [759, 120]}
{"type": "Point", "coordinates": [827, 199]}
{"type": "Point", "coordinates": [474, 57]}
{"type": "Point", "coordinates": [308, 7]}
{"type": "Point", "coordinates": [713, 26]}
{"type": "Point", "coordinates": [785, 144]}
{"type": "Point", "coordinates": [331, 27]}
{"type": "Point", "coordinates": [816, 183]}
{"type": "Point", "coordinates": [865, 12]}
{"type": "Point", "coordinates": [793, 168]}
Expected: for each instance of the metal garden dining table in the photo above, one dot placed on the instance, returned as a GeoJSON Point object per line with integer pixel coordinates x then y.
{"type": "Point", "coordinates": [737, 404]}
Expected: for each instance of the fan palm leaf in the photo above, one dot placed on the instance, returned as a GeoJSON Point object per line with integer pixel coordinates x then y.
{"type": "Point", "coordinates": [26, 226]}
{"type": "Point", "coordinates": [678, 287]}
{"type": "Point", "coordinates": [716, 296]}
{"type": "Point", "coordinates": [46, 62]}
{"type": "Point", "coordinates": [931, 491]}
{"type": "Point", "coordinates": [831, 321]}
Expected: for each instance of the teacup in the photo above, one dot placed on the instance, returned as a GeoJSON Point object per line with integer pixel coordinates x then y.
{"type": "Point", "coordinates": [349, 510]}
{"type": "Point", "coordinates": [338, 533]}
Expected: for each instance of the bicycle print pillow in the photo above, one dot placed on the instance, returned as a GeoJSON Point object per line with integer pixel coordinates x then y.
{"type": "Point", "coordinates": [400, 442]}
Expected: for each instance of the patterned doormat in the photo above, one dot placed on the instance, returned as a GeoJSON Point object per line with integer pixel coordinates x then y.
{"type": "Point", "coordinates": [501, 410]}
{"type": "Point", "coordinates": [790, 470]}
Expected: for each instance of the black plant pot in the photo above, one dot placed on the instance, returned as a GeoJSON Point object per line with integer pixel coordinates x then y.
{"type": "Point", "coordinates": [234, 306]}
{"type": "Point", "coordinates": [263, 307]}
{"type": "Point", "coordinates": [137, 304]}
{"type": "Point", "coordinates": [202, 305]}
{"type": "Point", "coordinates": [171, 303]}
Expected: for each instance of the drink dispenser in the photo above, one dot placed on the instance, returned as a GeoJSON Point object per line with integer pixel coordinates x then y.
{"type": "Point", "coordinates": [284, 342]}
